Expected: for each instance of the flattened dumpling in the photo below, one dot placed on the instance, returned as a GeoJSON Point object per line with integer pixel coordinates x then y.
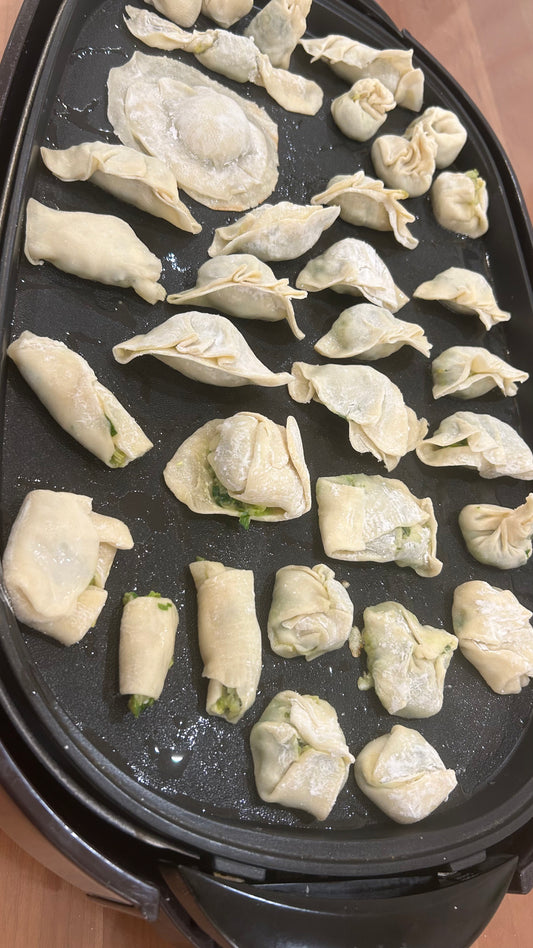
{"type": "Point", "coordinates": [370, 332]}
{"type": "Point", "coordinates": [471, 371]}
{"type": "Point", "coordinates": [482, 442]}
{"type": "Point", "coordinates": [274, 231]}
{"type": "Point", "coordinates": [464, 291]}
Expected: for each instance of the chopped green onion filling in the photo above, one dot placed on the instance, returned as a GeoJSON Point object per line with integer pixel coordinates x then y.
{"type": "Point", "coordinates": [154, 595]}
{"type": "Point", "coordinates": [127, 597]}
{"type": "Point", "coordinates": [228, 703]}
{"type": "Point", "coordinates": [164, 606]}
{"type": "Point", "coordinates": [118, 458]}
{"type": "Point", "coordinates": [113, 431]}
{"type": "Point", "coordinates": [137, 703]}
{"type": "Point", "coordinates": [224, 500]}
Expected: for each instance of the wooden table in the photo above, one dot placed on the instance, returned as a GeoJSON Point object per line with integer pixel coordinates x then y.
{"type": "Point", "coordinates": [489, 50]}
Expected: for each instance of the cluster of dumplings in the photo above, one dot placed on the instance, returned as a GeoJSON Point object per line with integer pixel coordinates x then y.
{"type": "Point", "coordinates": [180, 128]}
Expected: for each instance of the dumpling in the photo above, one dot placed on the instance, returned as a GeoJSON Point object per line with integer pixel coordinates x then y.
{"type": "Point", "coordinates": [460, 202]}
{"type": "Point", "coordinates": [464, 291]}
{"type": "Point", "coordinates": [202, 346]}
{"type": "Point", "coordinates": [221, 147]}
{"type": "Point", "coordinates": [352, 60]}
{"type": "Point", "coordinates": [229, 637]}
{"type": "Point", "coordinates": [498, 536]}
{"type": "Point", "coordinates": [245, 466]}
{"type": "Point", "coordinates": [70, 391]}
{"type": "Point", "coordinates": [300, 755]}
{"type": "Point", "coordinates": [363, 109]}
{"type": "Point", "coordinates": [366, 202]}
{"type": "Point", "coordinates": [376, 519]}
{"type": "Point", "coordinates": [92, 246]}
{"type": "Point", "coordinates": [277, 28]}
{"type": "Point", "coordinates": [479, 441]}
{"type": "Point", "coordinates": [274, 231]}
{"type": "Point", "coordinates": [230, 54]}
{"type": "Point", "coordinates": [130, 176]}
{"type": "Point", "coordinates": [445, 128]}
{"type": "Point", "coordinates": [494, 634]}
{"type": "Point", "coordinates": [182, 12]}
{"type": "Point", "coordinates": [311, 612]}
{"type": "Point", "coordinates": [471, 371]}
{"type": "Point", "coordinates": [406, 164]}
{"type": "Point", "coordinates": [407, 661]}
{"type": "Point", "coordinates": [241, 285]}
{"type": "Point", "coordinates": [226, 12]}
{"type": "Point", "coordinates": [146, 648]}
{"type": "Point", "coordinates": [378, 419]}
{"type": "Point", "coordinates": [57, 560]}
{"type": "Point", "coordinates": [370, 332]}
{"type": "Point", "coordinates": [403, 775]}
{"type": "Point", "coordinates": [352, 266]}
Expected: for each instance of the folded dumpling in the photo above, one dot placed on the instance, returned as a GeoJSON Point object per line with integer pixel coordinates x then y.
{"type": "Point", "coordinates": [403, 775]}
{"type": "Point", "coordinates": [364, 518]}
{"type": "Point", "coordinates": [352, 266]}
{"type": "Point", "coordinates": [300, 755]}
{"type": "Point", "coordinates": [464, 291]}
{"type": "Point", "coordinates": [446, 130]}
{"type": "Point", "coordinates": [277, 28]}
{"type": "Point", "coordinates": [407, 661]}
{"type": "Point", "coordinates": [226, 12]}
{"type": "Point", "coordinates": [57, 560]}
{"type": "Point", "coordinates": [182, 12]}
{"type": "Point", "coordinates": [352, 60]}
{"type": "Point", "coordinates": [203, 346]}
{"type": "Point", "coordinates": [479, 441]}
{"type": "Point", "coordinates": [498, 536]}
{"type": "Point", "coordinates": [311, 612]}
{"type": "Point", "coordinates": [471, 371]}
{"type": "Point", "coordinates": [494, 634]}
{"type": "Point", "coordinates": [93, 246]}
{"type": "Point", "coordinates": [366, 202]}
{"type": "Point", "coordinates": [460, 202]}
{"type": "Point", "coordinates": [245, 466]}
{"type": "Point", "coordinates": [241, 285]}
{"type": "Point", "coordinates": [363, 109]}
{"type": "Point", "coordinates": [274, 231]}
{"type": "Point", "coordinates": [147, 636]}
{"type": "Point", "coordinates": [221, 147]}
{"type": "Point", "coordinates": [405, 163]}
{"type": "Point", "coordinates": [229, 637]}
{"type": "Point", "coordinates": [370, 332]}
{"type": "Point", "coordinates": [378, 419]}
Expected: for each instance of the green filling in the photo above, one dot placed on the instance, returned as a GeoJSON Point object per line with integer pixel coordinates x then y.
{"type": "Point", "coordinates": [247, 511]}
{"type": "Point", "coordinates": [164, 606]}
{"type": "Point", "coordinates": [137, 703]}
{"type": "Point", "coordinates": [127, 597]}
{"type": "Point", "coordinates": [118, 458]}
{"type": "Point", "coordinates": [154, 595]}
{"type": "Point", "coordinates": [112, 430]}
{"type": "Point", "coordinates": [459, 444]}
{"type": "Point", "coordinates": [228, 703]}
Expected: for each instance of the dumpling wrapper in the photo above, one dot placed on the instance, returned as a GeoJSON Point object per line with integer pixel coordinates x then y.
{"type": "Point", "coordinates": [361, 111]}
{"type": "Point", "coordinates": [460, 202]}
{"type": "Point", "coordinates": [376, 519]}
{"type": "Point", "coordinates": [498, 536]}
{"type": "Point", "coordinates": [274, 231]}
{"type": "Point", "coordinates": [352, 266]}
{"type": "Point", "coordinates": [226, 12]}
{"type": "Point", "coordinates": [202, 346]}
{"type": "Point", "coordinates": [241, 285]}
{"type": "Point", "coordinates": [407, 164]}
{"type": "Point", "coordinates": [378, 419]}
{"type": "Point", "coordinates": [446, 130]}
{"type": "Point", "coordinates": [471, 371]}
{"type": "Point", "coordinates": [221, 147]}
{"type": "Point", "coordinates": [494, 634]}
{"type": "Point", "coordinates": [407, 661]}
{"type": "Point", "coordinates": [370, 332]}
{"type": "Point", "coordinates": [277, 28]}
{"type": "Point", "coordinates": [92, 246]}
{"type": "Point", "coordinates": [464, 291]}
{"type": "Point", "coordinates": [311, 612]}
{"type": "Point", "coordinates": [403, 775]}
{"type": "Point", "coordinates": [68, 388]}
{"type": "Point", "coordinates": [229, 637]}
{"type": "Point", "coordinates": [482, 442]}
{"type": "Point", "coordinates": [57, 560]}
{"type": "Point", "coordinates": [146, 647]}
{"type": "Point", "coordinates": [245, 466]}
{"type": "Point", "coordinates": [300, 755]}
{"type": "Point", "coordinates": [352, 60]}
{"type": "Point", "coordinates": [366, 202]}
{"type": "Point", "coordinates": [182, 12]}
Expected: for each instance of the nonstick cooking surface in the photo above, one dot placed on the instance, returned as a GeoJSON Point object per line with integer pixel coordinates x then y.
{"type": "Point", "coordinates": [175, 768]}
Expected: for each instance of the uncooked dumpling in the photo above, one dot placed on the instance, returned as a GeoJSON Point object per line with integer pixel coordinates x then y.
{"type": "Point", "coordinates": [464, 291]}
{"type": "Point", "coordinates": [182, 12]}
{"type": "Point", "coordinates": [498, 536]}
{"type": "Point", "coordinates": [406, 164]}
{"type": "Point", "coordinates": [226, 12]}
{"type": "Point", "coordinates": [370, 332]}
{"type": "Point", "coordinates": [277, 28]}
{"type": "Point", "coordinates": [460, 202]}
{"type": "Point", "coordinates": [363, 109]}
{"type": "Point", "coordinates": [274, 231]}
{"type": "Point", "coordinates": [147, 636]}
{"type": "Point", "coordinates": [445, 128]}
{"type": "Point", "coordinates": [482, 442]}
{"type": "Point", "coordinates": [471, 371]}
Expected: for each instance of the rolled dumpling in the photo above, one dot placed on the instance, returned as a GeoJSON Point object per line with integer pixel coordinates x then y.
{"type": "Point", "coordinates": [352, 266]}
{"type": "Point", "coordinates": [361, 111]}
{"type": "Point", "coordinates": [446, 130]}
{"type": "Point", "coordinates": [407, 164]}
{"type": "Point", "coordinates": [56, 562]}
{"type": "Point", "coordinates": [146, 648]}
{"type": "Point", "coordinates": [378, 419]}
{"type": "Point", "coordinates": [482, 442]}
{"type": "Point", "coordinates": [471, 371]}
{"type": "Point", "coordinates": [281, 231]}
{"type": "Point", "coordinates": [498, 536]}
{"type": "Point", "coordinates": [245, 466]}
{"type": "Point", "coordinates": [460, 202]}
{"type": "Point", "coordinates": [311, 612]}
{"type": "Point", "coordinates": [68, 388]}
{"type": "Point", "coordinates": [229, 637]}
{"type": "Point", "coordinates": [407, 661]}
{"type": "Point", "coordinates": [495, 635]}
{"type": "Point", "coordinates": [92, 246]}
{"type": "Point", "coordinates": [370, 332]}
{"type": "Point", "coordinates": [277, 28]}
{"type": "Point", "coordinates": [403, 775]}
{"type": "Point", "coordinates": [202, 346]}
{"type": "Point", "coordinates": [464, 291]}
{"type": "Point", "coordinates": [300, 755]}
{"type": "Point", "coordinates": [364, 518]}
